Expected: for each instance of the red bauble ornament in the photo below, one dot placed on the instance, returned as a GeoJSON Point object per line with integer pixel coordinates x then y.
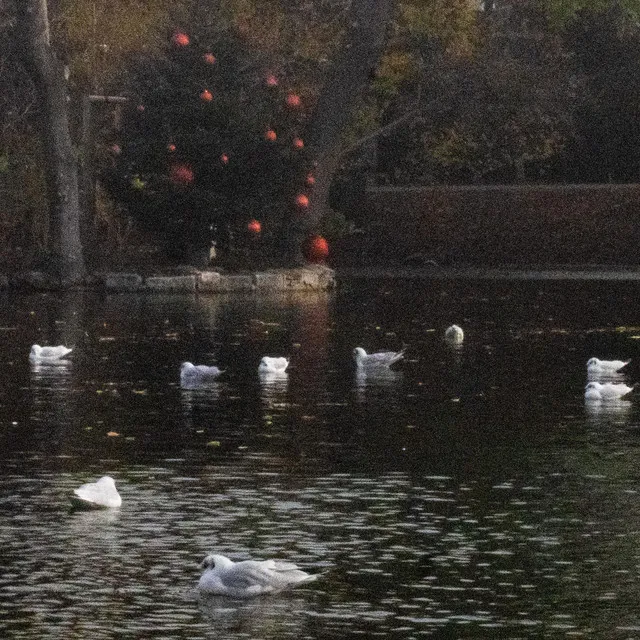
{"type": "Point", "coordinates": [171, 147]}
{"type": "Point", "coordinates": [180, 39]}
{"type": "Point", "coordinates": [270, 135]}
{"type": "Point", "coordinates": [271, 80]}
{"type": "Point", "coordinates": [206, 95]}
{"type": "Point", "coordinates": [254, 226]}
{"type": "Point", "coordinates": [310, 180]}
{"type": "Point", "coordinates": [293, 101]}
{"type": "Point", "coordinates": [298, 143]}
{"type": "Point", "coordinates": [224, 158]}
{"type": "Point", "coordinates": [302, 201]}
{"type": "Point", "coordinates": [209, 58]}
{"type": "Point", "coordinates": [181, 174]}
{"type": "Point", "coordinates": [116, 149]}
{"type": "Point", "coordinates": [315, 249]}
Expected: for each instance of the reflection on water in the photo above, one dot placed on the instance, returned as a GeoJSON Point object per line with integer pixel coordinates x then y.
{"type": "Point", "coordinates": [472, 493]}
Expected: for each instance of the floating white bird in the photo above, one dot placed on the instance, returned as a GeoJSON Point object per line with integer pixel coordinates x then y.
{"type": "Point", "coordinates": [249, 578]}
{"type": "Point", "coordinates": [101, 494]}
{"type": "Point", "coordinates": [48, 354]}
{"type": "Point", "coordinates": [607, 391]}
{"type": "Point", "coordinates": [381, 359]}
{"type": "Point", "coordinates": [594, 365]}
{"type": "Point", "coordinates": [194, 374]}
{"type": "Point", "coordinates": [454, 334]}
{"type": "Point", "coordinates": [273, 365]}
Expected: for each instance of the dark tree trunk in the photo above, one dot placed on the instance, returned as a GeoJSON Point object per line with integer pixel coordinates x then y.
{"type": "Point", "coordinates": [362, 45]}
{"type": "Point", "coordinates": [61, 166]}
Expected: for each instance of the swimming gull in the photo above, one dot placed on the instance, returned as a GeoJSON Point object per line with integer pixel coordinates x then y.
{"type": "Point", "coordinates": [101, 494]}
{"type": "Point", "coordinates": [273, 365]}
{"type": "Point", "coordinates": [48, 354]}
{"type": "Point", "coordinates": [249, 578]}
{"type": "Point", "coordinates": [381, 359]}
{"type": "Point", "coordinates": [454, 334]}
{"type": "Point", "coordinates": [194, 374]}
{"type": "Point", "coordinates": [607, 391]}
{"type": "Point", "coordinates": [595, 365]}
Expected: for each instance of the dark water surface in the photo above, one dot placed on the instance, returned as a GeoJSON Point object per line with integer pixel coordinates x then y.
{"type": "Point", "coordinates": [472, 495]}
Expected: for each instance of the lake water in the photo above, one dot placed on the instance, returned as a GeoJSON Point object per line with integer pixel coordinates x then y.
{"type": "Point", "coordinates": [471, 495]}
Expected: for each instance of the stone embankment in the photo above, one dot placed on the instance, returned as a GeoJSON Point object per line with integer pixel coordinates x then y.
{"type": "Point", "coordinates": [309, 278]}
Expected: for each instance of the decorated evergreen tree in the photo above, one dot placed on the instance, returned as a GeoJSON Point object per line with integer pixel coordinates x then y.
{"type": "Point", "coordinates": [211, 142]}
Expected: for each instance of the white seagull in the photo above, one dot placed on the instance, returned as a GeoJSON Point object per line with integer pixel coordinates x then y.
{"type": "Point", "coordinates": [101, 494]}
{"type": "Point", "coordinates": [273, 365]}
{"type": "Point", "coordinates": [381, 359]}
{"type": "Point", "coordinates": [48, 354]}
{"type": "Point", "coordinates": [595, 365]}
{"type": "Point", "coordinates": [249, 578]}
{"type": "Point", "coordinates": [194, 374]}
{"type": "Point", "coordinates": [607, 391]}
{"type": "Point", "coordinates": [454, 334]}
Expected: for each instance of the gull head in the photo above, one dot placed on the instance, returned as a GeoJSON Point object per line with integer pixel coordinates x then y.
{"type": "Point", "coordinates": [593, 362]}
{"type": "Point", "coordinates": [359, 354]}
{"type": "Point", "coordinates": [185, 365]}
{"type": "Point", "coordinates": [36, 349]}
{"type": "Point", "coordinates": [215, 561]}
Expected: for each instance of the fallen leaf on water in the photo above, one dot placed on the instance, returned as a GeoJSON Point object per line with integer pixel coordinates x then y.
{"type": "Point", "coordinates": [113, 434]}
{"type": "Point", "coordinates": [140, 392]}
{"type": "Point", "coordinates": [213, 443]}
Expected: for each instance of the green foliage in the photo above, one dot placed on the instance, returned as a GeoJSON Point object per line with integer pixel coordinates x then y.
{"type": "Point", "coordinates": [563, 11]}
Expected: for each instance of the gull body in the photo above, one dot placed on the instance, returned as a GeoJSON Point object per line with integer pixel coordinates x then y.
{"type": "Point", "coordinates": [454, 334]}
{"type": "Point", "coordinates": [595, 365]}
{"type": "Point", "coordinates": [48, 354]}
{"type": "Point", "coordinates": [194, 374]}
{"type": "Point", "coordinates": [607, 391]}
{"type": "Point", "coordinates": [366, 360]}
{"type": "Point", "coordinates": [249, 578]}
{"type": "Point", "coordinates": [101, 494]}
{"type": "Point", "coordinates": [273, 365]}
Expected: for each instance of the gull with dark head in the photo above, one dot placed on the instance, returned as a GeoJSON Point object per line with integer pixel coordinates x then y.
{"type": "Point", "coordinates": [249, 578]}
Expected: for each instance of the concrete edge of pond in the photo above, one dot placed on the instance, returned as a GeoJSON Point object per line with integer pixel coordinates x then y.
{"type": "Point", "coordinates": [308, 278]}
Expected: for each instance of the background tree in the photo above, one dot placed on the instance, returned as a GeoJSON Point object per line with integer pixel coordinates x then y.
{"type": "Point", "coordinates": [60, 166]}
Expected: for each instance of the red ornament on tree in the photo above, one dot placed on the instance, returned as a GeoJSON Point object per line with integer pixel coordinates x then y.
{"type": "Point", "coordinates": [302, 201]}
{"type": "Point", "coordinates": [209, 58]}
{"type": "Point", "coordinates": [310, 180]}
{"type": "Point", "coordinates": [315, 249]}
{"type": "Point", "coordinates": [271, 81]}
{"type": "Point", "coordinates": [171, 147]}
{"type": "Point", "coordinates": [181, 174]}
{"type": "Point", "coordinates": [180, 39]}
{"type": "Point", "coordinates": [293, 101]}
{"type": "Point", "coordinates": [298, 143]}
{"type": "Point", "coordinates": [254, 226]}
{"type": "Point", "coordinates": [206, 95]}
{"type": "Point", "coordinates": [270, 135]}
{"type": "Point", "coordinates": [224, 158]}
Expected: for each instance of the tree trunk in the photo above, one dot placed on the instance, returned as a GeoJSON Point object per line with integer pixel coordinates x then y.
{"type": "Point", "coordinates": [358, 57]}
{"type": "Point", "coordinates": [60, 162]}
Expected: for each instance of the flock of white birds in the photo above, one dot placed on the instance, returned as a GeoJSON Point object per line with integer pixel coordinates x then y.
{"type": "Point", "coordinates": [221, 575]}
{"type": "Point", "coordinates": [601, 387]}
